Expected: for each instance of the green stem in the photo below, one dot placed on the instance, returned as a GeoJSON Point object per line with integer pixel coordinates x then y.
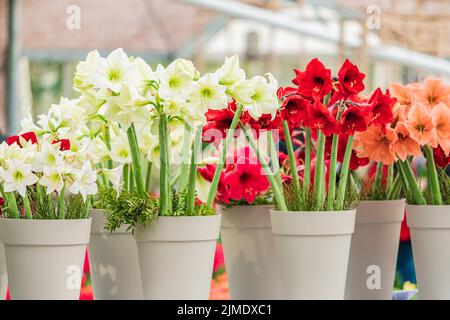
{"type": "Point", "coordinates": [390, 177]}
{"type": "Point", "coordinates": [378, 175]}
{"type": "Point", "coordinates": [412, 182]}
{"type": "Point", "coordinates": [131, 177]}
{"type": "Point", "coordinates": [109, 163]}
{"type": "Point", "coordinates": [332, 172]}
{"type": "Point", "coordinates": [148, 176]}
{"type": "Point", "coordinates": [125, 177]}
{"type": "Point", "coordinates": [12, 204]}
{"type": "Point", "coordinates": [433, 181]}
{"type": "Point", "coordinates": [307, 170]}
{"type": "Point", "coordinates": [190, 197]}
{"type": "Point", "coordinates": [394, 191]}
{"type": "Point", "coordinates": [219, 168]}
{"type": "Point", "coordinates": [276, 189]}
{"type": "Point", "coordinates": [292, 161]}
{"type": "Point", "coordinates": [274, 159]}
{"type": "Point", "coordinates": [165, 193]}
{"type": "Point", "coordinates": [344, 174]}
{"type": "Point", "coordinates": [27, 206]}
{"type": "Point", "coordinates": [185, 163]}
{"type": "Point", "coordinates": [61, 203]}
{"type": "Point", "coordinates": [136, 159]}
{"type": "Point", "coordinates": [319, 173]}
{"type": "Point", "coordinates": [333, 162]}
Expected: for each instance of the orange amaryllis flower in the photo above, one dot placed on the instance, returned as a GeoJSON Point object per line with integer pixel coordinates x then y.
{"type": "Point", "coordinates": [377, 144]}
{"type": "Point", "coordinates": [440, 117]}
{"type": "Point", "coordinates": [420, 126]}
{"type": "Point", "coordinates": [404, 97]}
{"type": "Point", "coordinates": [402, 93]}
{"type": "Point", "coordinates": [431, 92]}
{"type": "Point", "coordinates": [405, 145]}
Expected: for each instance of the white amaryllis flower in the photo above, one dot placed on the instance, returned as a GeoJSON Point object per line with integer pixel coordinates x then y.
{"type": "Point", "coordinates": [114, 175]}
{"type": "Point", "coordinates": [17, 177]}
{"type": "Point", "coordinates": [85, 181]}
{"type": "Point", "coordinates": [84, 70]}
{"type": "Point", "coordinates": [175, 80]}
{"type": "Point", "coordinates": [97, 151]}
{"type": "Point", "coordinates": [207, 93]}
{"type": "Point", "coordinates": [264, 98]}
{"type": "Point", "coordinates": [91, 103]}
{"type": "Point", "coordinates": [53, 179]}
{"type": "Point", "coordinates": [120, 148]}
{"type": "Point", "coordinates": [48, 156]}
{"type": "Point", "coordinates": [68, 113]}
{"type": "Point", "coordinates": [111, 72]}
{"type": "Point", "coordinates": [242, 92]}
{"type": "Point", "coordinates": [127, 107]}
{"type": "Point", "coordinates": [230, 73]}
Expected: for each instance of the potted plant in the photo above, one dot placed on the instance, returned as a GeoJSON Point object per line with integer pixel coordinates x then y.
{"type": "Point", "coordinates": [244, 201]}
{"type": "Point", "coordinates": [315, 209]}
{"type": "Point", "coordinates": [426, 115]}
{"type": "Point", "coordinates": [171, 227]}
{"type": "Point", "coordinates": [47, 190]}
{"type": "Point", "coordinates": [113, 256]}
{"type": "Point", "coordinates": [374, 248]}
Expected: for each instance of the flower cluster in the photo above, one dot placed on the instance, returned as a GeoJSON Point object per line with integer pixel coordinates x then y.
{"type": "Point", "coordinates": [242, 178]}
{"type": "Point", "coordinates": [42, 165]}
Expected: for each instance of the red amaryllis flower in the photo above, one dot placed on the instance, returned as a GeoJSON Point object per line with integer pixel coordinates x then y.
{"type": "Point", "coordinates": [294, 110]}
{"type": "Point", "coordinates": [315, 81]}
{"type": "Point", "coordinates": [207, 173]}
{"type": "Point", "coordinates": [440, 158]}
{"type": "Point", "coordinates": [382, 107]}
{"type": "Point", "coordinates": [27, 136]}
{"type": "Point", "coordinates": [355, 118]}
{"type": "Point", "coordinates": [2, 203]}
{"type": "Point", "coordinates": [265, 122]}
{"type": "Point", "coordinates": [350, 79]}
{"type": "Point", "coordinates": [246, 180]}
{"type": "Point", "coordinates": [64, 144]}
{"type": "Point", "coordinates": [283, 92]}
{"type": "Point", "coordinates": [319, 117]}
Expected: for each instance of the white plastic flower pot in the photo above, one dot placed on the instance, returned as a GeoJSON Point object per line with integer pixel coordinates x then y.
{"type": "Point", "coordinates": [45, 257]}
{"type": "Point", "coordinates": [313, 249]}
{"type": "Point", "coordinates": [3, 275]}
{"type": "Point", "coordinates": [249, 251]}
{"type": "Point", "coordinates": [374, 250]}
{"type": "Point", "coordinates": [176, 256]}
{"type": "Point", "coordinates": [113, 261]}
{"type": "Point", "coordinates": [430, 237]}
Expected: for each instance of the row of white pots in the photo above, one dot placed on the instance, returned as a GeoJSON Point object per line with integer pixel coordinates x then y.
{"type": "Point", "coordinates": [268, 255]}
{"type": "Point", "coordinates": [171, 259]}
{"type": "Point", "coordinates": [320, 258]}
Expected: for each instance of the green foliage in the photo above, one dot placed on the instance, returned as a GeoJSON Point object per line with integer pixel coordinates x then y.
{"type": "Point", "coordinates": [132, 207]}
{"type": "Point", "coordinates": [307, 202]}
{"type": "Point", "coordinates": [444, 186]}
{"type": "Point", "coordinates": [262, 200]}
{"type": "Point", "coordinates": [45, 207]}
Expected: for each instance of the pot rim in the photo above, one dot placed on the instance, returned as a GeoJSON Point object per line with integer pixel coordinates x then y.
{"type": "Point", "coordinates": [45, 232]}
{"type": "Point", "coordinates": [180, 229]}
{"type": "Point", "coordinates": [313, 223]}
{"type": "Point", "coordinates": [379, 201]}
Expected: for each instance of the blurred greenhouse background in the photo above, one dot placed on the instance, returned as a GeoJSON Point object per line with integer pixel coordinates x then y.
{"type": "Point", "coordinates": [42, 40]}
